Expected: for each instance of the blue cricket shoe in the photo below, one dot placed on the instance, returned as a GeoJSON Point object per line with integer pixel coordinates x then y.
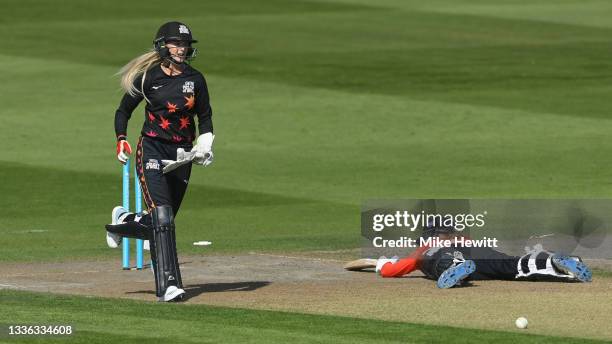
{"type": "Point", "coordinates": [455, 274]}
{"type": "Point", "coordinates": [572, 266]}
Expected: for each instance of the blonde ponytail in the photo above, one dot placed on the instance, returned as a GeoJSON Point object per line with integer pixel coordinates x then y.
{"type": "Point", "coordinates": [133, 69]}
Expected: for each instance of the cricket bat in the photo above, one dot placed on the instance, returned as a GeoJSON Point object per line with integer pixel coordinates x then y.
{"type": "Point", "coordinates": [361, 264]}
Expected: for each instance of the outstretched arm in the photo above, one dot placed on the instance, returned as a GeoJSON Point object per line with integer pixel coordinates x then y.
{"type": "Point", "coordinates": [403, 266]}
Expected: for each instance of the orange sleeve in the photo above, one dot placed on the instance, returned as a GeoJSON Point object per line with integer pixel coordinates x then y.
{"type": "Point", "coordinates": [403, 266]}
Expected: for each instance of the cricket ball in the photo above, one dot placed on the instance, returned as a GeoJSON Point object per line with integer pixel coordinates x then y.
{"type": "Point", "coordinates": [521, 322]}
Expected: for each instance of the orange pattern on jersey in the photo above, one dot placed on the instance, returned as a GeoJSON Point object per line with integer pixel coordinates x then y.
{"type": "Point", "coordinates": [190, 102]}
{"type": "Point", "coordinates": [164, 123]}
{"type": "Point", "coordinates": [184, 122]}
{"type": "Point", "coordinates": [171, 107]}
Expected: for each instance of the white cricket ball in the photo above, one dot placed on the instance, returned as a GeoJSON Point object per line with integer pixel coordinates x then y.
{"type": "Point", "coordinates": [521, 322]}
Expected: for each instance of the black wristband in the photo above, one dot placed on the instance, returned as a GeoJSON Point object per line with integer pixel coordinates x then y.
{"type": "Point", "coordinates": [121, 137]}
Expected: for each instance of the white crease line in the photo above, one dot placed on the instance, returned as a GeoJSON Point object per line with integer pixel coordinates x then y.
{"type": "Point", "coordinates": [302, 258]}
{"type": "Point", "coordinates": [59, 273]}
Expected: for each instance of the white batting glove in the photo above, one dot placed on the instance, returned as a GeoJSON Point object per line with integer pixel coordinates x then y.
{"type": "Point", "coordinates": [203, 150]}
{"type": "Point", "coordinates": [123, 151]}
{"type": "Point", "coordinates": [182, 158]}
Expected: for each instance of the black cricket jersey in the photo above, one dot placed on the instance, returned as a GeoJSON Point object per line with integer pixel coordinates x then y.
{"type": "Point", "coordinates": [173, 103]}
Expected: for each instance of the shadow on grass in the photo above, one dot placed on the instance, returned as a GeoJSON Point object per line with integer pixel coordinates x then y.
{"type": "Point", "coordinates": [194, 290]}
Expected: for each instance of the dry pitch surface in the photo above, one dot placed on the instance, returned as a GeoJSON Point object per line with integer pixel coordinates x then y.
{"type": "Point", "coordinates": [321, 286]}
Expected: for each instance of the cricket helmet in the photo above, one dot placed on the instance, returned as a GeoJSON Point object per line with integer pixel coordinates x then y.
{"type": "Point", "coordinates": [435, 228]}
{"type": "Point", "coordinates": [174, 32]}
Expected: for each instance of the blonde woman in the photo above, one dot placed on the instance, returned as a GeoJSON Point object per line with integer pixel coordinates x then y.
{"type": "Point", "coordinates": [175, 94]}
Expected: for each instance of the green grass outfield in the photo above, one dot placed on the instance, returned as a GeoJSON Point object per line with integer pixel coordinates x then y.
{"type": "Point", "coordinates": [127, 321]}
{"type": "Point", "coordinates": [318, 106]}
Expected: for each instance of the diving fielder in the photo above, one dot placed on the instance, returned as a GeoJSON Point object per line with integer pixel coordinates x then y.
{"type": "Point", "coordinates": [452, 266]}
{"type": "Point", "coordinates": [175, 94]}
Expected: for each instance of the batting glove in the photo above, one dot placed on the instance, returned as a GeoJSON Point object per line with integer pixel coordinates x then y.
{"type": "Point", "coordinates": [203, 150]}
{"type": "Point", "coordinates": [182, 158]}
{"type": "Point", "coordinates": [123, 151]}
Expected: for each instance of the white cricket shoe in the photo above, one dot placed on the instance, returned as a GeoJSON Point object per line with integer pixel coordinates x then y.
{"type": "Point", "coordinates": [119, 213]}
{"type": "Point", "coordinates": [172, 294]}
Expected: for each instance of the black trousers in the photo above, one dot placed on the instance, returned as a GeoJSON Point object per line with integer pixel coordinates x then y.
{"type": "Point", "coordinates": [158, 188]}
{"type": "Point", "coordinates": [490, 264]}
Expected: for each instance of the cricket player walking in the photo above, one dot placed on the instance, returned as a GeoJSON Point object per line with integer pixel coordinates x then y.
{"type": "Point", "coordinates": [175, 94]}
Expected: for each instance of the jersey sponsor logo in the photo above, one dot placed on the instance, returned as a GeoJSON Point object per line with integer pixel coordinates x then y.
{"type": "Point", "coordinates": [188, 87]}
{"type": "Point", "coordinates": [153, 164]}
{"type": "Point", "coordinates": [183, 29]}
{"type": "Point", "coordinates": [156, 87]}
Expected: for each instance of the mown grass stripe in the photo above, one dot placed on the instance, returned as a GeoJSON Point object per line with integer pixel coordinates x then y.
{"type": "Point", "coordinates": [97, 319]}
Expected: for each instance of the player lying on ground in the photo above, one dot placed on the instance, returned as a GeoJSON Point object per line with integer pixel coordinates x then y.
{"type": "Point", "coordinates": [451, 266]}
